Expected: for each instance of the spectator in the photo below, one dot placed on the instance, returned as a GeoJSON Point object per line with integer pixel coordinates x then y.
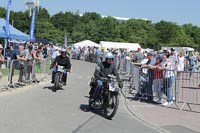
{"type": "Point", "coordinates": [151, 61]}
{"type": "Point", "coordinates": [52, 49]}
{"type": "Point", "coordinates": [138, 57]}
{"type": "Point", "coordinates": [144, 71]}
{"type": "Point", "coordinates": [1, 58]}
{"type": "Point", "coordinates": [173, 68]}
{"type": "Point", "coordinates": [192, 63]}
{"type": "Point", "coordinates": [22, 63]}
{"type": "Point", "coordinates": [165, 51]}
{"type": "Point", "coordinates": [158, 79]}
{"type": "Point", "coordinates": [98, 55]}
{"type": "Point", "coordinates": [198, 59]}
{"type": "Point", "coordinates": [45, 51]}
{"type": "Point", "coordinates": [38, 56]}
{"type": "Point", "coordinates": [91, 55]}
{"type": "Point", "coordinates": [55, 54]}
{"type": "Point", "coordinates": [168, 75]}
{"type": "Point", "coordinates": [181, 64]}
{"type": "Point", "coordinates": [16, 59]}
{"type": "Point", "coordinates": [29, 62]}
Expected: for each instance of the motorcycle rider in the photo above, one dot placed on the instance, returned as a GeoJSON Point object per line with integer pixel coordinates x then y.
{"type": "Point", "coordinates": [105, 68]}
{"type": "Point", "coordinates": [61, 60]}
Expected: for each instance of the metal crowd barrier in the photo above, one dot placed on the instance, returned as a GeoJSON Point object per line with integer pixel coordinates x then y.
{"type": "Point", "coordinates": [188, 86]}
{"type": "Point", "coordinates": [40, 70]}
{"type": "Point", "coordinates": [154, 83]}
{"type": "Point", "coordinates": [4, 72]}
{"type": "Point", "coordinates": [16, 73]}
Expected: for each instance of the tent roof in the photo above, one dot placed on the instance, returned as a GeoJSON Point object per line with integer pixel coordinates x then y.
{"type": "Point", "coordinates": [131, 46]}
{"type": "Point", "coordinates": [86, 43]}
{"type": "Point", "coordinates": [41, 40]}
{"type": "Point", "coordinates": [14, 33]}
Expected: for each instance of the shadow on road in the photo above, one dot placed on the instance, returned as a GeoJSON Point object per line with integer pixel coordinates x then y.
{"type": "Point", "coordinates": [51, 88]}
{"type": "Point", "coordinates": [86, 108]}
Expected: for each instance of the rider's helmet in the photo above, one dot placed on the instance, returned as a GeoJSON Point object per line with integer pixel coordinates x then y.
{"type": "Point", "coordinates": [109, 55]}
{"type": "Point", "coordinates": [63, 51]}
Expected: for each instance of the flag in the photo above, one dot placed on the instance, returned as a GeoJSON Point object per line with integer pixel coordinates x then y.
{"type": "Point", "coordinates": [65, 40]}
{"type": "Point", "coordinates": [32, 26]}
{"type": "Point", "coordinates": [8, 18]}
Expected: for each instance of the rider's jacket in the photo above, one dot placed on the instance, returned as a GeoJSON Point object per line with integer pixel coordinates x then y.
{"type": "Point", "coordinates": [63, 61]}
{"type": "Point", "coordinates": [106, 69]}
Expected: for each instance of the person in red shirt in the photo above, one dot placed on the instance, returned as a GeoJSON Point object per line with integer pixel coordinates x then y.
{"type": "Point", "coordinates": [158, 79]}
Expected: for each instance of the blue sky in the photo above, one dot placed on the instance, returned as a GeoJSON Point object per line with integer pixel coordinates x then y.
{"type": "Point", "coordinates": [179, 11]}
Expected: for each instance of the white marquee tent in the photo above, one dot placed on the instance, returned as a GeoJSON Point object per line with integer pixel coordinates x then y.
{"type": "Point", "coordinates": [86, 43]}
{"type": "Point", "coordinates": [120, 45]}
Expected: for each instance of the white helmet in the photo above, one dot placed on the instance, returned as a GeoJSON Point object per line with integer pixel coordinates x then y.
{"type": "Point", "coordinates": [109, 55]}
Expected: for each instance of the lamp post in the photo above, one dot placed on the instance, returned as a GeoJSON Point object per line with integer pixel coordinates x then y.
{"type": "Point", "coordinates": [32, 5]}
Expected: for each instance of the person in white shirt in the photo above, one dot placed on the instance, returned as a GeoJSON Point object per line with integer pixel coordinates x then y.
{"type": "Point", "coordinates": [168, 75]}
{"type": "Point", "coordinates": [55, 54]}
{"type": "Point", "coordinates": [181, 64]}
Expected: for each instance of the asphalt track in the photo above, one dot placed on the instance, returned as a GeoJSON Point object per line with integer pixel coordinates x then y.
{"type": "Point", "coordinates": [38, 109]}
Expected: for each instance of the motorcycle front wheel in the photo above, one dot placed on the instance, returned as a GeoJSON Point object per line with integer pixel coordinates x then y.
{"type": "Point", "coordinates": [56, 82]}
{"type": "Point", "coordinates": [111, 106]}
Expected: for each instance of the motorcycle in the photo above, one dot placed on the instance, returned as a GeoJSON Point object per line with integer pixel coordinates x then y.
{"type": "Point", "coordinates": [58, 77]}
{"type": "Point", "coordinates": [109, 100]}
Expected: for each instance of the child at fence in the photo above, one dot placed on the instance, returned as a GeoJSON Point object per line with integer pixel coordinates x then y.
{"type": "Point", "coordinates": [158, 79]}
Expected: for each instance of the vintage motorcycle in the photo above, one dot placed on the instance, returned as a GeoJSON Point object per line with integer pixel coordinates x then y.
{"type": "Point", "coordinates": [58, 77]}
{"type": "Point", "coordinates": [109, 100]}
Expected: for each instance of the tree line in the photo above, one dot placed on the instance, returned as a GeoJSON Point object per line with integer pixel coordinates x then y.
{"type": "Point", "coordinates": [92, 26]}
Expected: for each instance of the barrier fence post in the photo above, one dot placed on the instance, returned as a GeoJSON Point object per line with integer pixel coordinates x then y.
{"type": "Point", "coordinates": [4, 74]}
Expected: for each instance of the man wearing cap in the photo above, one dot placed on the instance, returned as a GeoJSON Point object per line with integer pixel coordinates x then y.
{"type": "Point", "coordinates": [149, 84]}
{"type": "Point", "coordinates": [173, 68]}
{"type": "Point", "coordinates": [1, 58]}
{"type": "Point", "coordinates": [138, 57]}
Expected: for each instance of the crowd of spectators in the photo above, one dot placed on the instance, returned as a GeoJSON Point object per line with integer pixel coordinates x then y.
{"type": "Point", "coordinates": [162, 67]}
{"type": "Point", "coordinates": [28, 58]}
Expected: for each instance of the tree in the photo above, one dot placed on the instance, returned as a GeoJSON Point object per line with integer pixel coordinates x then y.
{"type": "Point", "coordinates": [193, 33]}
{"type": "Point", "coordinates": [2, 12]}
{"type": "Point", "coordinates": [43, 14]}
{"type": "Point", "coordinates": [21, 20]}
{"type": "Point", "coordinates": [165, 31]}
{"type": "Point", "coordinates": [45, 29]}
